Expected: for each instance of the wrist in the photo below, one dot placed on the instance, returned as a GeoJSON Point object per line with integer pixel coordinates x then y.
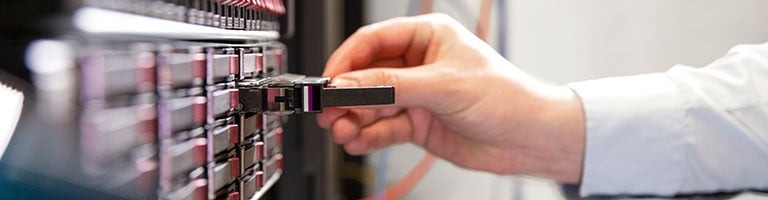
{"type": "Point", "coordinates": [564, 122]}
{"type": "Point", "coordinates": [573, 129]}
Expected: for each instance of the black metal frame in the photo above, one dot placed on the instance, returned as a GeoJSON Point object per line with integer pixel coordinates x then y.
{"type": "Point", "coordinates": [305, 144]}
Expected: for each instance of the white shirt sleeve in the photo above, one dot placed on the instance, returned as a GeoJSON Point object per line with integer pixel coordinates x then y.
{"type": "Point", "coordinates": [684, 131]}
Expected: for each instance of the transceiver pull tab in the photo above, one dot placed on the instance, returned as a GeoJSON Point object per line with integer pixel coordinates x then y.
{"type": "Point", "coordinates": [292, 93]}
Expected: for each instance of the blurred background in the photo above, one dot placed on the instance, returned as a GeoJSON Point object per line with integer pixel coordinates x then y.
{"type": "Point", "coordinates": [52, 61]}
{"type": "Point", "coordinates": [566, 41]}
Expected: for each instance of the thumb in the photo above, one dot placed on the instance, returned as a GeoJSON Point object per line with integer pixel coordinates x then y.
{"type": "Point", "coordinates": [414, 87]}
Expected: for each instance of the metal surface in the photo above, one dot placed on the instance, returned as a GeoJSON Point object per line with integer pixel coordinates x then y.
{"type": "Point", "coordinates": [309, 165]}
{"type": "Point", "coordinates": [361, 96]}
{"type": "Point", "coordinates": [102, 21]}
{"type": "Point", "coordinates": [294, 94]}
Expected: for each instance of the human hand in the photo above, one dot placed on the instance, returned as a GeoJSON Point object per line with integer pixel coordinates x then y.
{"type": "Point", "coordinates": [457, 98]}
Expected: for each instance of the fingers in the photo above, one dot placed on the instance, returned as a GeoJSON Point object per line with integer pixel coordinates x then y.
{"type": "Point", "coordinates": [367, 116]}
{"type": "Point", "coordinates": [399, 52]}
{"type": "Point", "coordinates": [329, 115]}
{"type": "Point", "coordinates": [348, 126]}
{"type": "Point", "coordinates": [388, 62]}
{"type": "Point", "coordinates": [405, 37]}
{"type": "Point", "coordinates": [411, 125]}
{"type": "Point", "coordinates": [414, 87]}
{"type": "Point", "coordinates": [384, 132]}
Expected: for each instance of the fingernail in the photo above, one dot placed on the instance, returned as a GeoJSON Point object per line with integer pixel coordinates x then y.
{"type": "Point", "coordinates": [343, 82]}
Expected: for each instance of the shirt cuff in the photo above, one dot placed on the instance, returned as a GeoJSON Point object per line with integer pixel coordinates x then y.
{"type": "Point", "coordinates": [635, 143]}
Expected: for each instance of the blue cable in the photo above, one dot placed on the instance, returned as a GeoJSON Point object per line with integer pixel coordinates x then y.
{"type": "Point", "coordinates": [501, 14]}
{"type": "Point", "coordinates": [413, 7]}
{"type": "Point", "coordinates": [381, 169]}
{"type": "Point", "coordinates": [381, 174]}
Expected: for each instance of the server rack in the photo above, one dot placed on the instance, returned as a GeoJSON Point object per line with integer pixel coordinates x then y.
{"type": "Point", "coordinates": [147, 110]}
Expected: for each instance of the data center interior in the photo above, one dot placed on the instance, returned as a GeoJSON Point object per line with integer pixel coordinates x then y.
{"type": "Point", "coordinates": [139, 99]}
{"type": "Point", "coordinates": [144, 99]}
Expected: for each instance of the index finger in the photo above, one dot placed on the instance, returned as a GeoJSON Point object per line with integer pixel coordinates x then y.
{"type": "Point", "coordinates": [406, 38]}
